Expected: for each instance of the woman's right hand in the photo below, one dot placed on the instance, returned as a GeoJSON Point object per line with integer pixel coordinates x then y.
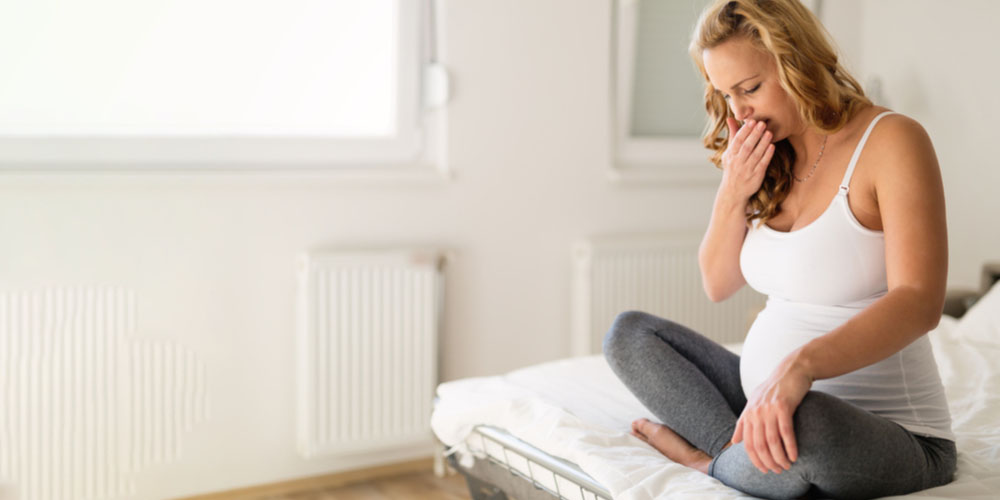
{"type": "Point", "coordinates": [746, 158]}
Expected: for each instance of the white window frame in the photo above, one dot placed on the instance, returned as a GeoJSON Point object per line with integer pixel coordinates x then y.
{"type": "Point", "coordinates": [673, 160]}
{"type": "Point", "coordinates": [417, 148]}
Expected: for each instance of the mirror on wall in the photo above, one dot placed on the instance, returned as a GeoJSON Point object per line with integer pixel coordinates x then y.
{"type": "Point", "coordinates": [658, 113]}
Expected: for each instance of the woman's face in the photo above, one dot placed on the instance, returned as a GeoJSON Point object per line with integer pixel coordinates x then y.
{"type": "Point", "coordinates": [748, 78]}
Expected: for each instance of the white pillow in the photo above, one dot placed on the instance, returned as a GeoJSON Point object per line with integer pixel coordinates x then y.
{"type": "Point", "coordinates": [981, 323]}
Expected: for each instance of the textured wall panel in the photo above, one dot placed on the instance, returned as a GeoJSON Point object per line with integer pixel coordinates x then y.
{"type": "Point", "coordinates": [84, 404]}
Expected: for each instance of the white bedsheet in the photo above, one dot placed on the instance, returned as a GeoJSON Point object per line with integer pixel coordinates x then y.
{"type": "Point", "coordinates": [577, 409]}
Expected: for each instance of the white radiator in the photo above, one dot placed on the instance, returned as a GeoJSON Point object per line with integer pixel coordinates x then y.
{"type": "Point", "coordinates": [657, 274]}
{"type": "Point", "coordinates": [368, 328]}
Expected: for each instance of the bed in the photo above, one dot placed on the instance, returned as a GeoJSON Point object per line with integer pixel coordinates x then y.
{"type": "Point", "coordinates": [561, 429]}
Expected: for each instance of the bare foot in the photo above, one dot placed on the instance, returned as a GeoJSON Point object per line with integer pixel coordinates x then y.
{"type": "Point", "coordinates": [667, 442]}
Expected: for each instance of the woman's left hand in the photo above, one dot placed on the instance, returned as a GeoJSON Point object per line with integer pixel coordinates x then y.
{"type": "Point", "coordinates": [766, 422]}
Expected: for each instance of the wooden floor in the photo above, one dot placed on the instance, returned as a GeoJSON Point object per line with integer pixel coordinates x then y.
{"type": "Point", "coordinates": [411, 486]}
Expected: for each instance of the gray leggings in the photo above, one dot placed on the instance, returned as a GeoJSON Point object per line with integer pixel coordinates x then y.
{"type": "Point", "coordinates": [692, 385]}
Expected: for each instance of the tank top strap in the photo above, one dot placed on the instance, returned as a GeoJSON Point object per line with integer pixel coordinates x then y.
{"type": "Point", "coordinates": [857, 152]}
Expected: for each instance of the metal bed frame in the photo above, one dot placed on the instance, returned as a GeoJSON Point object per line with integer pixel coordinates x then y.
{"type": "Point", "coordinates": [506, 467]}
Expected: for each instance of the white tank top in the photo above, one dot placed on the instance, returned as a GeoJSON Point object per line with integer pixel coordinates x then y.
{"type": "Point", "coordinates": [818, 277]}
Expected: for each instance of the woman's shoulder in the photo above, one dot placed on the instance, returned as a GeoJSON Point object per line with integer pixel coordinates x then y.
{"type": "Point", "coordinates": [899, 145]}
{"type": "Point", "coordinates": [898, 128]}
{"type": "Point", "coordinates": [893, 131]}
{"type": "Point", "coordinates": [895, 135]}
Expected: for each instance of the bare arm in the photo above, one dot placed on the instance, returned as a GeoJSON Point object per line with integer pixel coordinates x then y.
{"type": "Point", "coordinates": [743, 165]}
{"type": "Point", "coordinates": [719, 253]}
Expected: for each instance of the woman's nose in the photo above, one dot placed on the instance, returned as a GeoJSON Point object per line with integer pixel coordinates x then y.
{"type": "Point", "coordinates": [741, 111]}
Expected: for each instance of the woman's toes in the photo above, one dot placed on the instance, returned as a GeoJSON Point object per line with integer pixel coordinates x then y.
{"type": "Point", "coordinates": [638, 424]}
{"type": "Point", "coordinates": [646, 427]}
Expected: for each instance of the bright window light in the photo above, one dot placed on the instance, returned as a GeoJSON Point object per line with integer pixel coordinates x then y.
{"type": "Point", "coordinates": [199, 67]}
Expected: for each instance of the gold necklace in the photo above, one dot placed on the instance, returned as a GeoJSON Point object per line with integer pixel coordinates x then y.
{"type": "Point", "coordinates": [818, 158]}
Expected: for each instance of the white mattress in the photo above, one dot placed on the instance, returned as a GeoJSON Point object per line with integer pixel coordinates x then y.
{"type": "Point", "coordinates": [577, 409]}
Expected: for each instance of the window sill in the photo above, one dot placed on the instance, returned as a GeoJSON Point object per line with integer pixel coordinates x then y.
{"type": "Point", "coordinates": [223, 175]}
{"type": "Point", "coordinates": [662, 160]}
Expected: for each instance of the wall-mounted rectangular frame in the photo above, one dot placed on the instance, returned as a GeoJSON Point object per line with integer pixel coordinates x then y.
{"type": "Point", "coordinates": [645, 159]}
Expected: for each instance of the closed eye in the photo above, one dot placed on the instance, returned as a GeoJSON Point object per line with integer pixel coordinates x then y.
{"type": "Point", "coordinates": [750, 91]}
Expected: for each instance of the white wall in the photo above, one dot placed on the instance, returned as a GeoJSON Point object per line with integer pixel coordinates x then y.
{"type": "Point", "coordinates": [212, 258]}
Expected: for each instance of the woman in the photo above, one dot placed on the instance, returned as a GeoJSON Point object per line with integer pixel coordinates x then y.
{"type": "Point", "coordinates": [837, 392]}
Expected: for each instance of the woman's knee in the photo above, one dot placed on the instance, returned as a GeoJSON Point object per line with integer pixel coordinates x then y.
{"type": "Point", "coordinates": [734, 468]}
{"type": "Point", "coordinates": [622, 333]}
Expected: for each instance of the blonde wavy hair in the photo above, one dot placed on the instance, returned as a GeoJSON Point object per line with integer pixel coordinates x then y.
{"type": "Point", "coordinates": [824, 93]}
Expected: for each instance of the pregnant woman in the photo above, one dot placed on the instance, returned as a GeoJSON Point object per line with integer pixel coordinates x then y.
{"type": "Point", "coordinates": [834, 208]}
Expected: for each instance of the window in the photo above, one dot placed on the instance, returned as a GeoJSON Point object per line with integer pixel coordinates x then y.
{"type": "Point", "coordinates": [227, 83]}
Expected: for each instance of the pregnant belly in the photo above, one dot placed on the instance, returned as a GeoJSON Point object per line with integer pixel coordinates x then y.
{"type": "Point", "coordinates": [783, 327]}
